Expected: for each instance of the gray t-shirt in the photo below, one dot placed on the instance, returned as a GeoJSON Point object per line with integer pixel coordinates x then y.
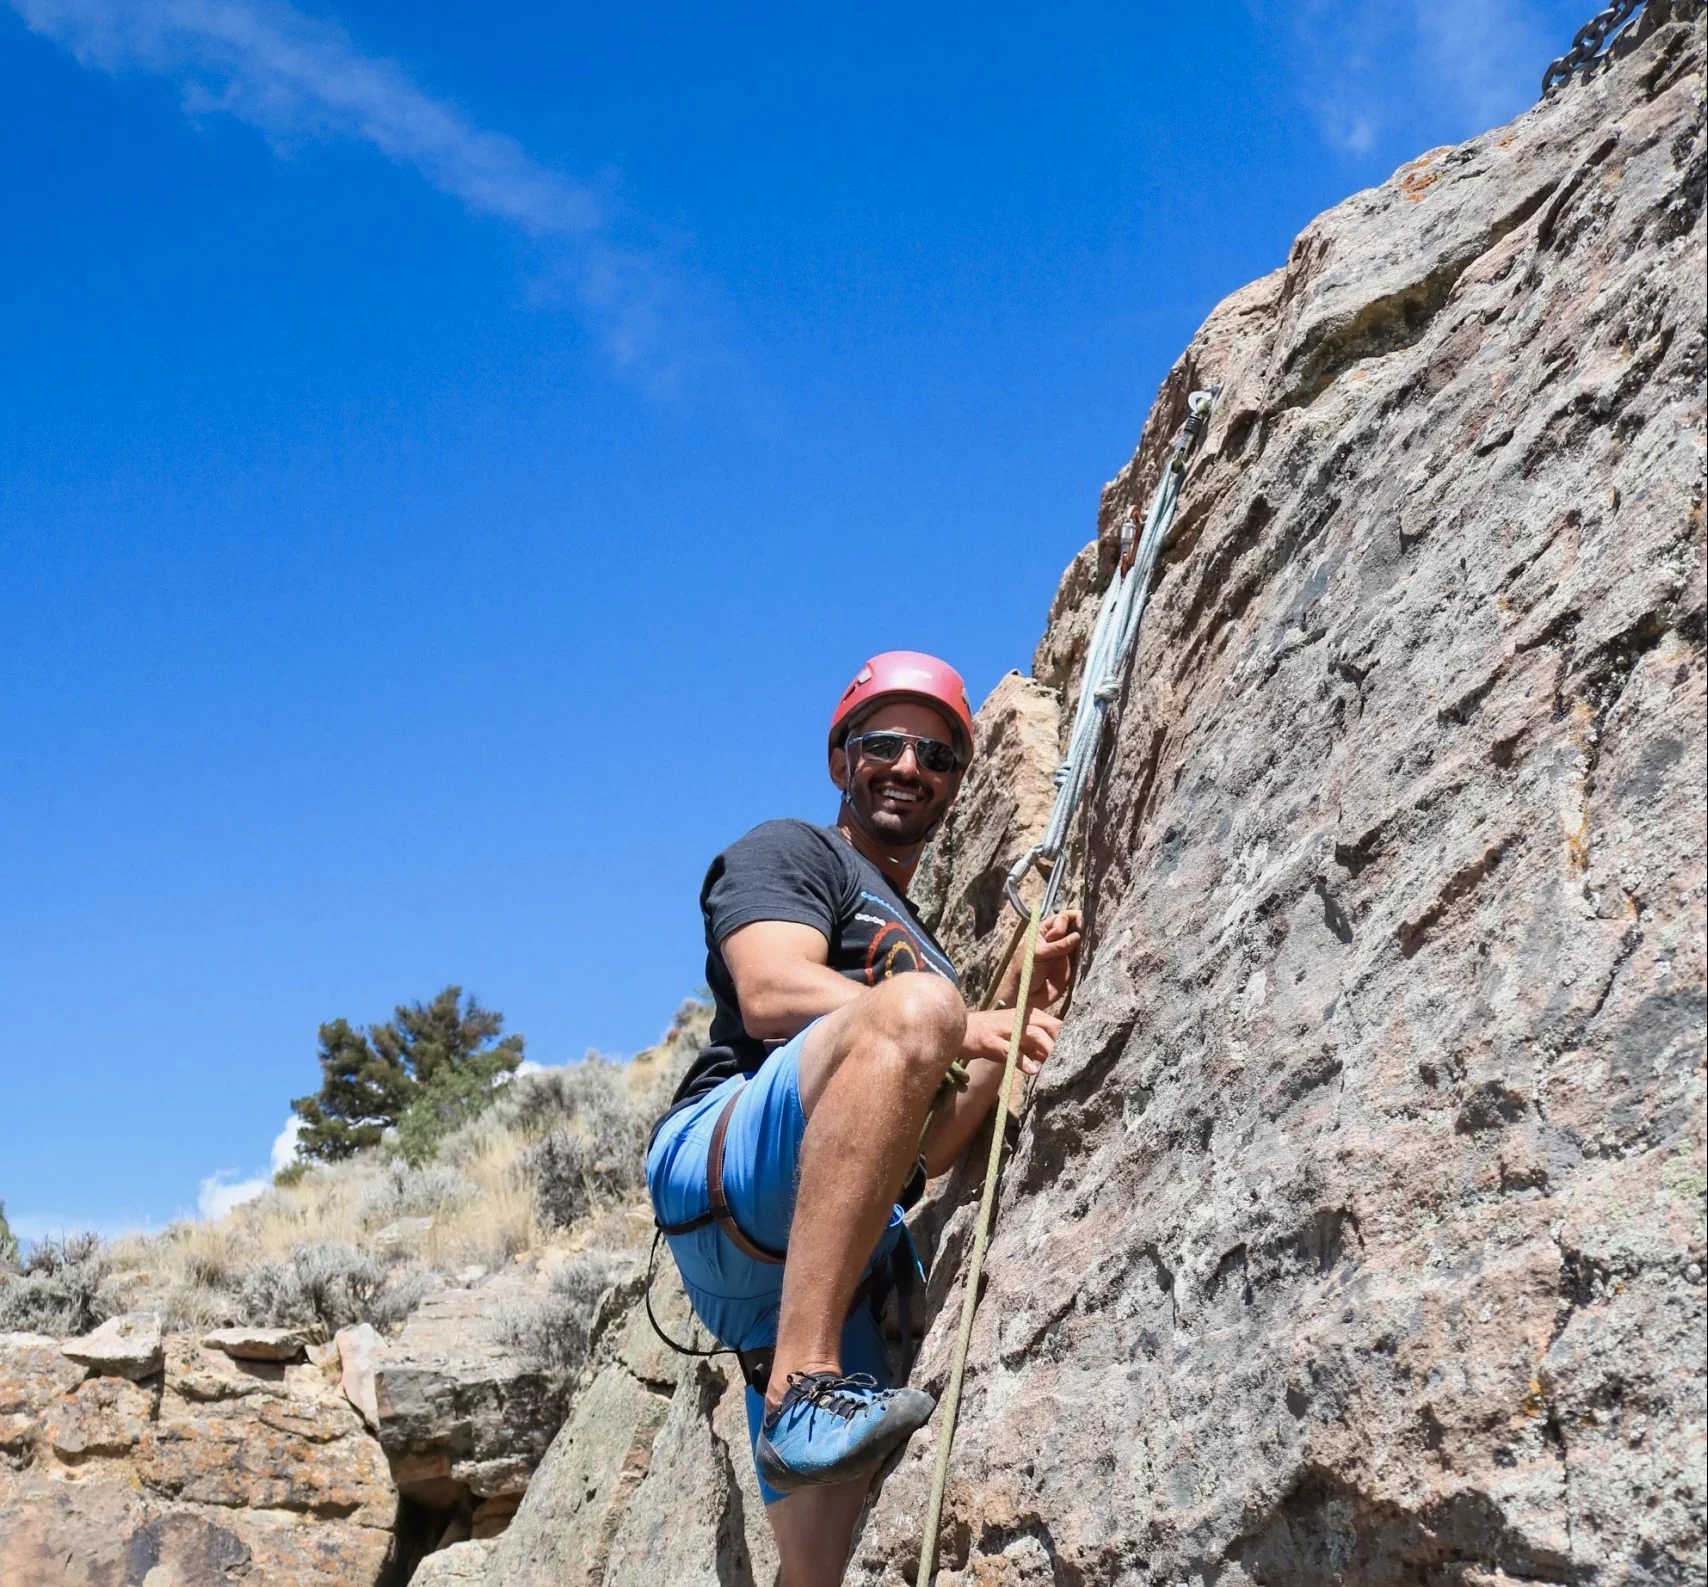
{"type": "Point", "coordinates": [813, 876]}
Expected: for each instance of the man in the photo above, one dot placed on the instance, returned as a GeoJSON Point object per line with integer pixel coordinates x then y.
{"type": "Point", "coordinates": [797, 1128]}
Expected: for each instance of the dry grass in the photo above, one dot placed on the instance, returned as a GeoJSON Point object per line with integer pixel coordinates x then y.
{"type": "Point", "coordinates": [382, 1228]}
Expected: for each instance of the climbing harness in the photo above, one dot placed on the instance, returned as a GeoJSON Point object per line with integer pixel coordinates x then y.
{"type": "Point", "coordinates": [1621, 27]}
{"type": "Point", "coordinates": [1117, 625]}
{"type": "Point", "coordinates": [894, 1288]}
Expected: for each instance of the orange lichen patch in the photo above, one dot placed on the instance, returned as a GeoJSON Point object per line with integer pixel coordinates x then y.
{"type": "Point", "coordinates": [1417, 178]}
{"type": "Point", "coordinates": [1535, 1402]}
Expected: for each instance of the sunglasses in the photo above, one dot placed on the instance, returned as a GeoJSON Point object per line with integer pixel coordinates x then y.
{"type": "Point", "coordinates": [930, 754]}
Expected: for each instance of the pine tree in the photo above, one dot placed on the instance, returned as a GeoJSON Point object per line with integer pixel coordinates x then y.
{"type": "Point", "coordinates": [369, 1079]}
{"type": "Point", "coordinates": [8, 1240]}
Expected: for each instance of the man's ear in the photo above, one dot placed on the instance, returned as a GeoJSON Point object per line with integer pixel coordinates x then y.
{"type": "Point", "coordinates": [839, 766]}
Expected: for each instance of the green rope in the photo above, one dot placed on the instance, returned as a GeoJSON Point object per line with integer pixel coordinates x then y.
{"type": "Point", "coordinates": [975, 1269]}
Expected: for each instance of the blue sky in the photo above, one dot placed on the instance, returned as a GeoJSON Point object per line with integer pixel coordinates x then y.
{"type": "Point", "coordinates": [450, 461]}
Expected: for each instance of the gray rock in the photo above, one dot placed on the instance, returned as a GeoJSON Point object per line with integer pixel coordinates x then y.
{"type": "Point", "coordinates": [685, 1523]}
{"type": "Point", "coordinates": [1356, 1229]}
{"type": "Point", "coordinates": [461, 1565]}
{"type": "Point", "coordinates": [257, 1344]}
{"type": "Point", "coordinates": [561, 1536]}
{"type": "Point", "coordinates": [359, 1351]}
{"type": "Point", "coordinates": [458, 1409]}
{"type": "Point", "coordinates": [127, 1346]}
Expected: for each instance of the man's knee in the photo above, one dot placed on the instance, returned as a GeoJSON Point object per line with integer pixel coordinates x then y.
{"type": "Point", "coordinates": [921, 1016]}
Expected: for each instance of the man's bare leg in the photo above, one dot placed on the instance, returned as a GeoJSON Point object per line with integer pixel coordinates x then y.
{"type": "Point", "coordinates": [815, 1530]}
{"type": "Point", "coordinates": [867, 1075]}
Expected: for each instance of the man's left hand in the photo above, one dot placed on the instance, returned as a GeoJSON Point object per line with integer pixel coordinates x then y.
{"type": "Point", "coordinates": [1052, 965]}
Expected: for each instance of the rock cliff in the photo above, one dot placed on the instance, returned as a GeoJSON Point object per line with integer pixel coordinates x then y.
{"type": "Point", "coordinates": [1355, 1233]}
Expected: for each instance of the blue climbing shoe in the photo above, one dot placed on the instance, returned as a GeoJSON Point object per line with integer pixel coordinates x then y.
{"type": "Point", "coordinates": [835, 1429]}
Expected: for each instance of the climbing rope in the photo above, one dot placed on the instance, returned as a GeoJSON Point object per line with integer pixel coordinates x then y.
{"type": "Point", "coordinates": [975, 1267]}
{"type": "Point", "coordinates": [1117, 625]}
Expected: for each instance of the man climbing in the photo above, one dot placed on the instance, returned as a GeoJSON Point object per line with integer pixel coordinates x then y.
{"type": "Point", "coordinates": [798, 1127]}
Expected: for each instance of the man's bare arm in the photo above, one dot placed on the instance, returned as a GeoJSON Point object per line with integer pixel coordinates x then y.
{"type": "Point", "coordinates": [783, 979]}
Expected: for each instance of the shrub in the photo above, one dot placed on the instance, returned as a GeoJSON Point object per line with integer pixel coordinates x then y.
{"type": "Point", "coordinates": [556, 1331]}
{"type": "Point", "coordinates": [8, 1241]}
{"type": "Point", "coordinates": [452, 1098]}
{"type": "Point", "coordinates": [291, 1174]}
{"type": "Point", "coordinates": [588, 1092]}
{"type": "Point", "coordinates": [59, 1290]}
{"type": "Point", "coordinates": [331, 1284]}
{"type": "Point", "coordinates": [573, 1171]}
{"type": "Point", "coordinates": [399, 1191]}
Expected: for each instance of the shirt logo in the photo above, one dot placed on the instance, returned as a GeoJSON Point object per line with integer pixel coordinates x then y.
{"type": "Point", "coordinates": [893, 951]}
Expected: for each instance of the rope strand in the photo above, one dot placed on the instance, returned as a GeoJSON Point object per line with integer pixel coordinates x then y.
{"type": "Point", "coordinates": [1118, 619]}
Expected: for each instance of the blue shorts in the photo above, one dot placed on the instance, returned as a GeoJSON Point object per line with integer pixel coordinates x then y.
{"type": "Point", "coordinates": [733, 1295]}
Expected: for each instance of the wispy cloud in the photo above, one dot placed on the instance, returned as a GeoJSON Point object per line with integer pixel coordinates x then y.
{"type": "Point", "coordinates": [219, 1193]}
{"type": "Point", "coordinates": [298, 79]}
{"type": "Point", "coordinates": [1368, 70]}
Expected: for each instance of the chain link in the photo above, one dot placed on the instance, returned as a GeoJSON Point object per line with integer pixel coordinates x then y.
{"type": "Point", "coordinates": [1600, 38]}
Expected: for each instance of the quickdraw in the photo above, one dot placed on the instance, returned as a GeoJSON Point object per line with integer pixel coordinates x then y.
{"type": "Point", "coordinates": [1117, 626]}
{"type": "Point", "coordinates": [1621, 27]}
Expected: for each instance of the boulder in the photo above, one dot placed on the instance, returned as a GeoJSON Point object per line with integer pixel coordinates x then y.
{"type": "Point", "coordinates": [403, 1232]}
{"type": "Point", "coordinates": [359, 1351]}
{"type": "Point", "coordinates": [258, 1344]}
{"type": "Point", "coordinates": [685, 1522]}
{"type": "Point", "coordinates": [127, 1346]}
{"type": "Point", "coordinates": [261, 1453]}
{"type": "Point", "coordinates": [1355, 1231]}
{"type": "Point", "coordinates": [459, 1411]}
{"type": "Point", "coordinates": [461, 1565]}
{"type": "Point", "coordinates": [561, 1536]}
{"type": "Point", "coordinates": [209, 1470]}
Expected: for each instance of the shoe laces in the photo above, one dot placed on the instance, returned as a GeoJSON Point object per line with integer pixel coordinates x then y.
{"type": "Point", "coordinates": [831, 1392]}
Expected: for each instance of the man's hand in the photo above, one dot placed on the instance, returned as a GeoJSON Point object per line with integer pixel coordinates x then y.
{"type": "Point", "coordinates": [984, 1049]}
{"type": "Point", "coordinates": [989, 1030]}
{"type": "Point", "coordinates": [1052, 965]}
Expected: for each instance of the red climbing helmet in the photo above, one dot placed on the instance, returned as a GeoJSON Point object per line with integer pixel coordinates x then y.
{"type": "Point", "coordinates": [907, 675]}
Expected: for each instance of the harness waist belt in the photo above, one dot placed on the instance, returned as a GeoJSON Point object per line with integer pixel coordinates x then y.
{"type": "Point", "coordinates": [720, 1213]}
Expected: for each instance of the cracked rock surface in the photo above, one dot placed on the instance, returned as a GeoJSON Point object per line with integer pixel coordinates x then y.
{"type": "Point", "coordinates": [206, 1471]}
{"type": "Point", "coordinates": [1355, 1232]}
{"type": "Point", "coordinates": [650, 1482]}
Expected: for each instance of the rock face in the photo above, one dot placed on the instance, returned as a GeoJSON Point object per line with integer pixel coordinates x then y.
{"type": "Point", "coordinates": [1355, 1233]}
{"type": "Point", "coordinates": [459, 1414]}
{"type": "Point", "coordinates": [1002, 810]}
{"type": "Point", "coordinates": [206, 1471]}
{"type": "Point", "coordinates": [650, 1482]}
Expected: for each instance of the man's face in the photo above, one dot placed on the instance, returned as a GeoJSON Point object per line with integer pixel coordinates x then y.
{"type": "Point", "coordinates": [900, 802]}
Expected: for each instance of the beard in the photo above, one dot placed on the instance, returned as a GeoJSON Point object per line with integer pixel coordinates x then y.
{"type": "Point", "coordinates": [880, 804]}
